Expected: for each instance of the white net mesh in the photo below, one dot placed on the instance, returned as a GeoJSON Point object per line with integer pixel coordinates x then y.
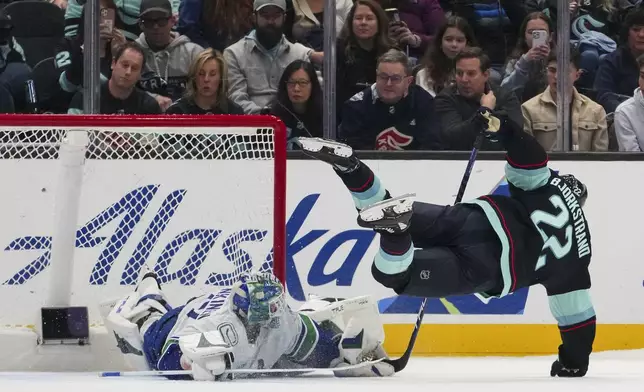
{"type": "Point", "coordinates": [196, 205]}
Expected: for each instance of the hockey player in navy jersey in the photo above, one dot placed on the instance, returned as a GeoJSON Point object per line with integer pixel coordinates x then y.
{"type": "Point", "coordinates": [490, 246]}
{"type": "Point", "coordinates": [246, 326]}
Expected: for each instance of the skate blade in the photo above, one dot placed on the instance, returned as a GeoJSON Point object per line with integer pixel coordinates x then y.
{"type": "Point", "coordinates": [319, 145]}
{"type": "Point", "coordinates": [400, 204]}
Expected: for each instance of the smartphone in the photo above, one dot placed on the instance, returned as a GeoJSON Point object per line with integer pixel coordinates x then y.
{"type": "Point", "coordinates": [394, 16]}
{"type": "Point", "coordinates": [106, 23]}
{"type": "Point", "coordinates": [539, 37]}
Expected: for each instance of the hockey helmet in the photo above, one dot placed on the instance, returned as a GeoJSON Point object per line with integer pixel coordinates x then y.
{"type": "Point", "coordinates": [578, 187]}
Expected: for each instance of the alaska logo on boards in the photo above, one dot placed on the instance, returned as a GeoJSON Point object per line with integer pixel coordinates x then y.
{"type": "Point", "coordinates": [127, 214]}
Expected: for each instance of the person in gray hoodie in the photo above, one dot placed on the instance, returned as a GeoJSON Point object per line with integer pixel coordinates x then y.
{"type": "Point", "coordinates": [168, 55]}
{"type": "Point", "coordinates": [629, 117]}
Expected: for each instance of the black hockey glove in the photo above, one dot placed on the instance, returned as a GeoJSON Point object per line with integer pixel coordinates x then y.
{"type": "Point", "coordinates": [559, 369]}
{"type": "Point", "coordinates": [575, 350]}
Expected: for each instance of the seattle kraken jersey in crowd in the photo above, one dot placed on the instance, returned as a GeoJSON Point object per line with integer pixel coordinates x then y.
{"type": "Point", "coordinates": [542, 229]}
{"type": "Point", "coordinates": [409, 124]}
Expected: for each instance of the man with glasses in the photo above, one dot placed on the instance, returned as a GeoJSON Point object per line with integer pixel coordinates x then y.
{"type": "Point", "coordinates": [257, 61]}
{"type": "Point", "coordinates": [460, 107]}
{"type": "Point", "coordinates": [168, 54]}
{"type": "Point", "coordinates": [392, 114]}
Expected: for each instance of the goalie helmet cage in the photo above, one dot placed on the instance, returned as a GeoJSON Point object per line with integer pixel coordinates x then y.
{"type": "Point", "coordinates": [213, 145]}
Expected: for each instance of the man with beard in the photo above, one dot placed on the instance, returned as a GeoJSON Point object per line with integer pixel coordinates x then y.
{"type": "Point", "coordinates": [257, 61]}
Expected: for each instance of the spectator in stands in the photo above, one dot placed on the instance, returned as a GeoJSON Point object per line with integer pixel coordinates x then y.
{"type": "Point", "coordinates": [215, 24]}
{"type": "Point", "coordinates": [618, 72]}
{"type": "Point", "coordinates": [458, 106]}
{"type": "Point", "coordinates": [299, 101]}
{"type": "Point", "coordinates": [418, 24]}
{"type": "Point", "coordinates": [496, 26]}
{"type": "Point", "coordinates": [206, 87]}
{"type": "Point", "coordinates": [257, 61]}
{"type": "Point", "coordinates": [62, 4]}
{"type": "Point", "coordinates": [127, 17]}
{"type": "Point", "coordinates": [393, 114]}
{"type": "Point", "coordinates": [594, 27]}
{"type": "Point", "coordinates": [69, 56]}
{"type": "Point", "coordinates": [363, 39]}
{"type": "Point", "coordinates": [588, 119]}
{"type": "Point", "coordinates": [437, 70]}
{"type": "Point", "coordinates": [119, 95]}
{"type": "Point", "coordinates": [14, 71]}
{"type": "Point", "coordinates": [525, 71]}
{"type": "Point", "coordinates": [168, 55]}
{"type": "Point", "coordinates": [308, 20]}
{"type": "Point", "coordinates": [629, 117]}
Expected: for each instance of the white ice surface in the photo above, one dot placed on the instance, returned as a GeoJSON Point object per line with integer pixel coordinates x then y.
{"type": "Point", "coordinates": [610, 372]}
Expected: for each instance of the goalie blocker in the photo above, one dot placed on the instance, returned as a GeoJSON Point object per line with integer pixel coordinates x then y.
{"type": "Point", "coordinates": [249, 326]}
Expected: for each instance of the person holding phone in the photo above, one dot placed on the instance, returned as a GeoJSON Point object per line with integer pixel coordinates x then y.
{"type": "Point", "coordinates": [525, 71]}
{"type": "Point", "coordinates": [69, 55]}
{"type": "Point", "coordinates": [413, 23]}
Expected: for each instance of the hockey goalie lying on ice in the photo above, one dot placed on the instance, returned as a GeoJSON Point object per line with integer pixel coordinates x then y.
{"type": "Point", "coordinates": [247, 326]}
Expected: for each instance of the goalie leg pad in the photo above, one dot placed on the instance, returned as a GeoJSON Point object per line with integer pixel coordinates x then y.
{"type": "Point", "coordinates": [128, 337]}
{"type": "Point", "coordinates": [132, 316]}
{"type": "Point", "coordinates": [357, 346]}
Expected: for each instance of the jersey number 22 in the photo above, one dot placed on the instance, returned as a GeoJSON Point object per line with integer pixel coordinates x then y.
{"type": "Point", "coordinates": [542, 219]}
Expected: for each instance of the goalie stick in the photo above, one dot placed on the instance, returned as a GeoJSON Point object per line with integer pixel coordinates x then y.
{"type": "Point", "coordinates": [295, 371]}
{"type": "Point", "coordinates": [400, 363]}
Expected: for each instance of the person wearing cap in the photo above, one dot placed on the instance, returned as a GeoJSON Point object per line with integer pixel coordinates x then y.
{"type": "Point", "coordinates": [168, 54]}
{"type": "Point", "coordinates": [127, 14]}
{"type": "Point", "coordinates": [257, 61]}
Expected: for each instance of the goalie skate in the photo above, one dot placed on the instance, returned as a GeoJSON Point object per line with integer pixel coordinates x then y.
{"type": "Point", "coordinates": [336, 154]}
{"type": "Point", "coordinates": [391, 215]}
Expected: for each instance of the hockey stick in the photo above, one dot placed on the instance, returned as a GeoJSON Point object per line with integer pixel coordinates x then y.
{"type": "Point", "coordinates": [296, 371]}
{"type": "Point", "coordinates": [400, 363]}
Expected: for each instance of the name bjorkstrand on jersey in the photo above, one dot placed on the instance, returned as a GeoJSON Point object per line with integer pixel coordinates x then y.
{"type": "Point", "coordinates": [583, 248]}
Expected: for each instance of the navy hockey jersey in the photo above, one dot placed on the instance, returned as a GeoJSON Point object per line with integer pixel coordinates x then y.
{"type": "Point", "coordinates": [542, 229]}
{"type": "Point", "coordinates": [410, 124]}
{"type": "Point", "coordinates": [545, 239]}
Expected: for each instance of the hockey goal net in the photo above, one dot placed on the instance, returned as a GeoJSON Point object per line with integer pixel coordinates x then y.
{"type": "Point", "coordinates": [90, 200]}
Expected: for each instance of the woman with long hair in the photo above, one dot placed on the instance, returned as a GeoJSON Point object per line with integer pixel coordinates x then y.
{"type": "Point", "coordinates": [362, 40]}
{"type": "Point", "coordinates": [437, 70]}
{"type": "Point", "coordinates": [207, 87]}
{"type": "Point", "coordinates": [215, 23]}
{"type": "Point", "coordinates": [299, 101]}
{"type": "Point", "coordinates": [525, 71]}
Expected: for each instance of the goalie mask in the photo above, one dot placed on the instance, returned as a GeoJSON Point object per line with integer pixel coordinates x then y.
{"type": "Point", "coordinates": [259, 299]}
{"type": "Point", "coordinates": [578, 188]}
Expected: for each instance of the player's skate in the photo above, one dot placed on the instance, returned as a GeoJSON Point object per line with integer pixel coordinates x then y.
{"type": "Point", "coordinates": [339, 155]}
{"type": "Point", "coordinates": [391, 215]}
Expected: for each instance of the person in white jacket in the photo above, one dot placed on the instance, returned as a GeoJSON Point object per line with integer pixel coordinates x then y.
{"type": "Point", "coordinates": [168, 55]}
{"type": "Point", "coordinates": [629, 117]}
